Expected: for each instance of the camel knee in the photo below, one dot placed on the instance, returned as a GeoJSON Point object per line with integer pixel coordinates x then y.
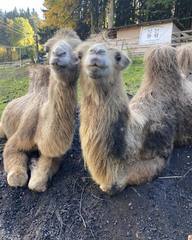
{"type": "Point", "coordinates": [145, 171]}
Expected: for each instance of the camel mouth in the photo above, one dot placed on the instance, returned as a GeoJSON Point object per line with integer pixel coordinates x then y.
{"type": "Point", "coordinates": [95, 66]}
{"type": "Point", "coordinates": [56, 65]}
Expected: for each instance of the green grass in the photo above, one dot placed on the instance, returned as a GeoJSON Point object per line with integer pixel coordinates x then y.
{"type": "Point", "coordinates": [14, 81]}
{"type": "Point", "coordinates": [133, 75]}
{"type": "Point", "coordinates": [13, 84]}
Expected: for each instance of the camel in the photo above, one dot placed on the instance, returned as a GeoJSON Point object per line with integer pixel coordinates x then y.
{"type": "Point", "coordinates": [44, 118]}
{"type": "Point", "coordinates": [129, 142]}
{"type": "Point", "coordinates": [184, 54]}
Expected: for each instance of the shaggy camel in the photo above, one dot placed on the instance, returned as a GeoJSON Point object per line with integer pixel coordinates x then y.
{"type": "Point", "coordinates": [130, 142]}
{"type": "Point", "coordinates": [184, 54]}
{"type": "Point", "coordinates": [44, 118]}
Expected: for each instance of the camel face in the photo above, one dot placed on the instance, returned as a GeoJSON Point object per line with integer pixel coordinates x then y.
{"type": "Point", "coordinates": [184, 57]}
{"type": "Point", "coordinates": [101, 62]}
{"type": "Point", "coordinates": [97, 62]}
{"type": "Point", "coordinates": [62, 57]}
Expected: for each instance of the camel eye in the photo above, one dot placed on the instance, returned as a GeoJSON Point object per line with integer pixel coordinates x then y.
{"type": "Point", "coordinates": [101, 52]}
{"type": "Point", "coordinates": [46, 49]}
{"type": "Point", "coordinates": [80, 55]}
{"type": "Point", "coordinates": [118, 57]}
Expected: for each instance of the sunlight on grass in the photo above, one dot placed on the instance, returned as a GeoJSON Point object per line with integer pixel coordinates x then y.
{"type": "Point", "coordinates": [13, 84]}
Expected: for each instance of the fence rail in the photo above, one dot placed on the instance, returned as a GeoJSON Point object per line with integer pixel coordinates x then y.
{"type": "Point", "coordinates": [18, 63]}
{"type": "Point", "coordinates": [134, 48]}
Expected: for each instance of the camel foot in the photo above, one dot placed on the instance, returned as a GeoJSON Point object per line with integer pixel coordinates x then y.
{"type": "Point", "coordinates": [37, 184]}
{"type": "Point", "coordinates": [17, 178]}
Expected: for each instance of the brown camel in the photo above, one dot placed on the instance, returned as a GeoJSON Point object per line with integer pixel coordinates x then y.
{"type": "Point", "coordinates": [44, 118]}
{"type": "Point", "coordinates": [126, 142]}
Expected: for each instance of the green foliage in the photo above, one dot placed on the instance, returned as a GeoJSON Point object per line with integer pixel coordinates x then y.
{"type": "Point", "coordinates": [58, 12]}
{"type": "Point", "coordinates": [17, 29]}
{"type": "Point", "coordinates": [85, 16]}
{"type": "Point", "coordinates": [90, 16]}
{"type": "Point", "coordinates": [25, 36]}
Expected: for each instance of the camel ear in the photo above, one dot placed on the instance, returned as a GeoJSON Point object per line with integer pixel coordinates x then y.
{"type": "Point", "coordinates": [80, 54]}
{"type": "Point", "coordinates": [46, 48]}
{"type": "Point", "coordinates": [121, 60]}
{"type": "Point", "coordinates": [82, 49]}
{"type": "Point", "coordinates": [48, 45]}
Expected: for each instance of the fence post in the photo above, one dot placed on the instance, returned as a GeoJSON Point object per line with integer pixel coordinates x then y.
{"type": "Point", "coordinates": [20, 56]}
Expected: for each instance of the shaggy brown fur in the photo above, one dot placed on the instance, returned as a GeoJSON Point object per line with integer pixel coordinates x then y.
{"type": "Point", "coordinates": [129, 143]}
{"type": "Point", "coordinates": [184, 54]}
{"type": "Point", "coordinates": [44, 118]}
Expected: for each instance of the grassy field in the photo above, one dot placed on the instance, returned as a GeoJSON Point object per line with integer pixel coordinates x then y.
{"type": "Point", "coordinates": [13, 84]}
{"type": "Point", "coordinates": [133, 75]}
{"type": "Point", "coordinates": [14, 81]}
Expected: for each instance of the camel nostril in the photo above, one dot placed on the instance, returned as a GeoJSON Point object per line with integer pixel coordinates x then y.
{"type": "Point", "coordinates": [94, 62]}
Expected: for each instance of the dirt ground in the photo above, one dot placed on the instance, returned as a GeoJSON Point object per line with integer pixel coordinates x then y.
{"type": "Point", "coordinates": [73, 207]}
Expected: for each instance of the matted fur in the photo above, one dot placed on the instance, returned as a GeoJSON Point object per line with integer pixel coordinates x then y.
{"type": "Point", "coordinates": [130, 142]}
{"type": "Point", "coordinates": [184, 54]}
{"type": "Point", "coordinates": [44, 118]}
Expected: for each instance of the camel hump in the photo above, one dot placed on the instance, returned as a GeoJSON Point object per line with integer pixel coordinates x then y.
{"type": "Point", "coordinates": [39, 77]}
{"type": "Point", "coordinates": [161, 60]}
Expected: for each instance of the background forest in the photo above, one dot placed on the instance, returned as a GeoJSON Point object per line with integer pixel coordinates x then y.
{"type": "Point", "coordinates": [21, 31]}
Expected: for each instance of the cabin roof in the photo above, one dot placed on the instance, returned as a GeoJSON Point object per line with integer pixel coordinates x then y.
{"type": "Point", "coordinates": [170, 20]}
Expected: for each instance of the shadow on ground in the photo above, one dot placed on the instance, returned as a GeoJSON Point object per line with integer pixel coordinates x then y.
{"type": "Point", "coordinates": [73, 207]}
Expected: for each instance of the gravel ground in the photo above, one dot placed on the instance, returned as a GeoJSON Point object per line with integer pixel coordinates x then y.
{"type": "Point", "coordinates": [73, 207]}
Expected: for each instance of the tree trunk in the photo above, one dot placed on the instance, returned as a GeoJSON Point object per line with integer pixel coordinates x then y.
{"type": "Point", "coordinates": [110, 13]}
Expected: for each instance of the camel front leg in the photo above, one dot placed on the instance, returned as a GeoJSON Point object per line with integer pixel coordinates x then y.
{"type": "Point", "coordinates": [15, 162]}
{"type": "Point", "coordinates": [42, 171]}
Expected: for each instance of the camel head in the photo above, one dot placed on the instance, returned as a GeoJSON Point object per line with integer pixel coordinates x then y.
{"type": "Point", "coordinates": [102, 64]}
{"type": "Point", "coordinates": [62, 58]}
{"type": "Point", "coordinates": [184, 56]}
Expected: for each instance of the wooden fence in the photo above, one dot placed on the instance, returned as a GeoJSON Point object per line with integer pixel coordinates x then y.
{"type": "Point", "coordinates": [133, 48]}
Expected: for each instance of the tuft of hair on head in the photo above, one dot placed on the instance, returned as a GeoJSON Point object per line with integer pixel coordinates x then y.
{"type": "Point", "coordinates": [66, 34]}
{"type": "Point", "coordinates": [184, 56]}
{"type": "Point", "coordinates": [161, 61]}
{"type": "Point", "coordinates": [83, 48]}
